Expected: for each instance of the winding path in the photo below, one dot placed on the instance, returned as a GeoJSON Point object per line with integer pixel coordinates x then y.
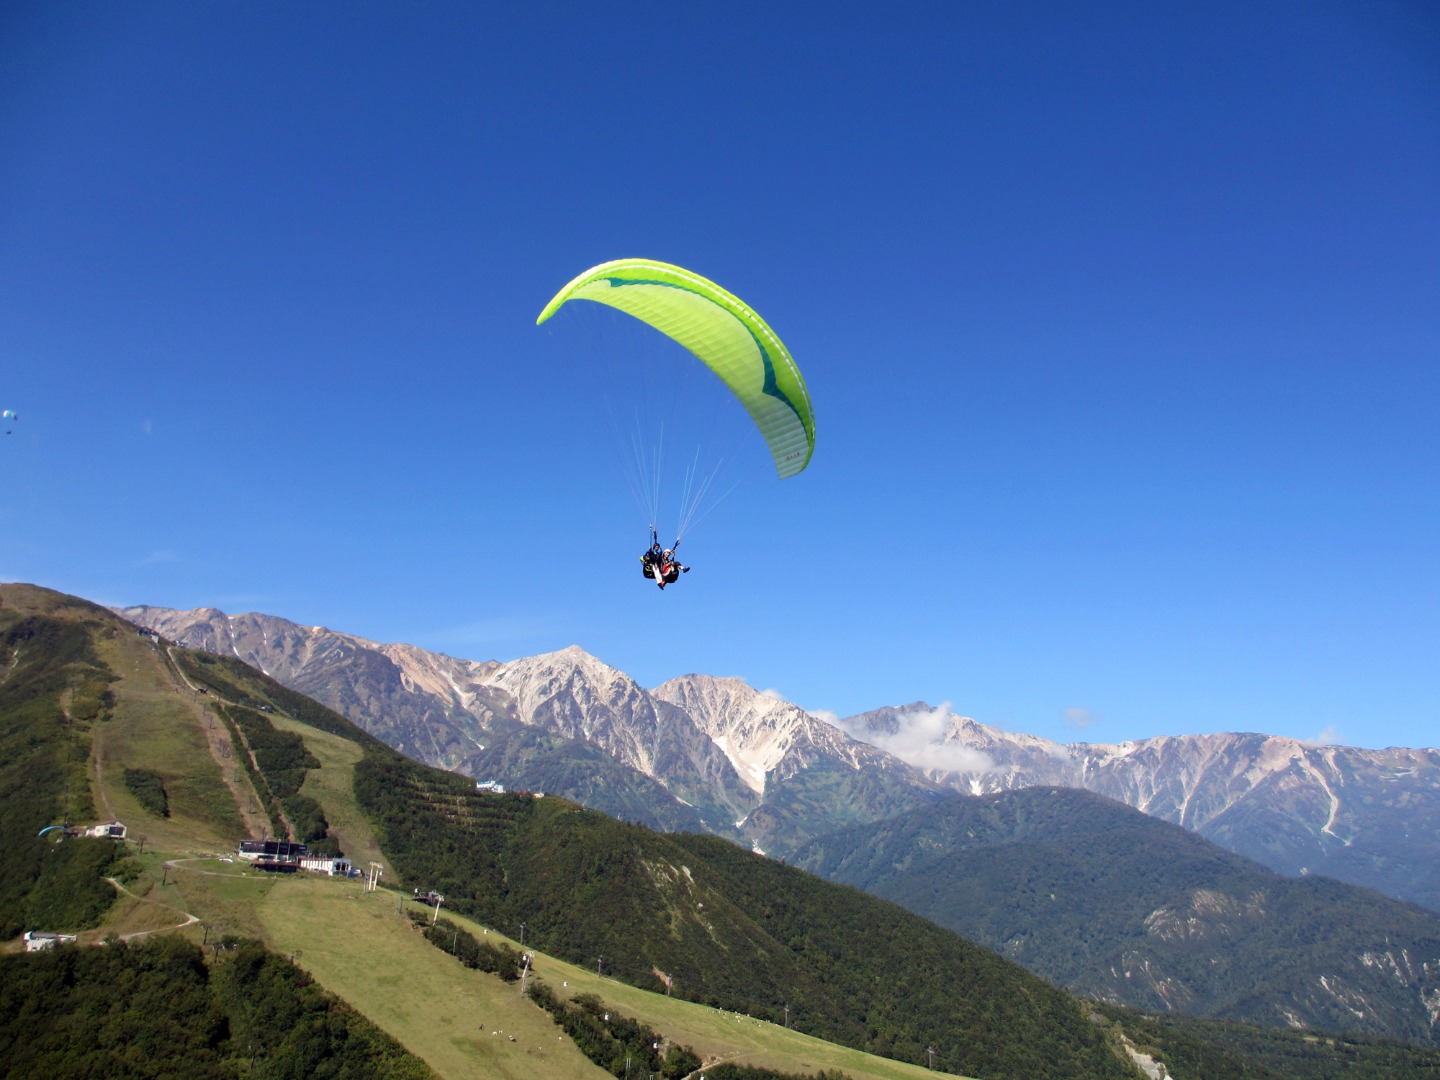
{"type": "Point", "coordinates": [190, 920]}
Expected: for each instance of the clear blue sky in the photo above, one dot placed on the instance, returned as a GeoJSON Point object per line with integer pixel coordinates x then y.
{"type": "Point", "coordinates": [1122, 323]}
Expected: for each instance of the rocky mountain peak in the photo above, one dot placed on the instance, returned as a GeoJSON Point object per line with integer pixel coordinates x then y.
{"type": "Point", "coordinates": [755, 730]}
{"type": "Point", "coordinates": [579, 696]}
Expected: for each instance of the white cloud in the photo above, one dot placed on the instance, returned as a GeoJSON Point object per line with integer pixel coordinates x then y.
{"type": "Point", "coordinates": [920, 740]}
{"type": "Point", "coordinates": [773, 695]}
{"type": "Point", "coordinates": [155, 558]}
{"type": "Point", "coordinates": [1329, 736]}
{"type": "Point", "coordinates": [1081, 718]}
{"type": "Point", "coordinates": [146, 427]}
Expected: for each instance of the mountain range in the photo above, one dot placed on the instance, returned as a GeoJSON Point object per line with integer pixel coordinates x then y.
{"type": "Point", "coordinates": [1363, 816]}
{"type": "Point", "coordinates": [705, 753]}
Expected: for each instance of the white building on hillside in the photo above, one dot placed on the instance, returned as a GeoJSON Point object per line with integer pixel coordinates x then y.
{"type": "Point", "coordinates": [35, 940]}
{"type": "Point", "coordinates": [333, 865]}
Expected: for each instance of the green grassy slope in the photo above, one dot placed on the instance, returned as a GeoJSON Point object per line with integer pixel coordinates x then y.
{"type": "Point", "coordinates": [359, 946]}
{"type": "Point", "coordinates": [332, 786]}
{"type": "Point", "coordinates": [394, 975]}
{"type": "Point", "coordinates": [157, 725]}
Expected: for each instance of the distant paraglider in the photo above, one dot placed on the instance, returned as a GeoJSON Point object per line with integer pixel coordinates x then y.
{"type": "Point", "coordinates": [729, 338]}
{"type": "Point", "coordinates": [9, 416]}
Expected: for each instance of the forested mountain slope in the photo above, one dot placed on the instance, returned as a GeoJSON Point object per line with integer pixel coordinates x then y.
{"type": "Point", "coordinates": [1119, 906]}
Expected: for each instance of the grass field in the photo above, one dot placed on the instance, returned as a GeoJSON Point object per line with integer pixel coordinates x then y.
{"type": "Point", "coordinates": [460, 1022]}
{"type": "Point", "coordinates": [140, 908]}
{"type": "Point", "coordinates": [224, 896]}
{"type": "Point", "coordinates": [358, 945]}
{"type": "Point", "coordinates": [156, 726]}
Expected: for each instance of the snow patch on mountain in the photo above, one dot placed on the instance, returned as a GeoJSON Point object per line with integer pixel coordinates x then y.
{"type": "Point", "coordinates": [754, 729]}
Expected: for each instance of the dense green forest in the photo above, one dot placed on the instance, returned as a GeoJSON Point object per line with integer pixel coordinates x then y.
{"type": "Point", "coordinates": [159, 1010]}
{"type": "Point", "coordinates": [1195, 1049]}
{"type": "Point", "coordinates": [478, 955]}
{"type": "Point", "coordinates": [1089, 893]}
{"type": "Point", "coordinates": [148, 787]}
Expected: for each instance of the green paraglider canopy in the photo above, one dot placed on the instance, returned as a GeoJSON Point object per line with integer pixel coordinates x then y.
{"type": "Point", "coordinates": [723, 332]}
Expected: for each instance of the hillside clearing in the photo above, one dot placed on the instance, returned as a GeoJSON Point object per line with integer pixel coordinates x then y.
{"type": "Point", "coordinates": [460, 1022]}
{"type": "Point", "coordinates": [360, 947]}
{"type": "Point", "coordinates": [156, 726]}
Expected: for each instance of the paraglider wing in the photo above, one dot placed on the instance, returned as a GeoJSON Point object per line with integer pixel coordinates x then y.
{"type": "Point", "coordinates": [9, 414]}
{"type": "Point", "coordinates": [723, 332]}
